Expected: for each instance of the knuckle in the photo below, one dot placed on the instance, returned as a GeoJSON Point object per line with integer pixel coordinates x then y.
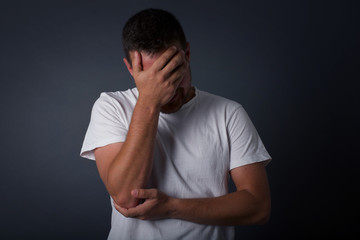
{"type": "Point", "coordinates": [178, 77]}
{"type": "Point", "coordinates": [162, 78]}
{"type": "Point", "coordinates": [171, 51]}
{"type": "Point", "coordinates": [174, 63]}
{"type": "Point", "coordinates": [152, 73]}
{"type": "Point", "coordinates": [141, 192]}
{"type": "Point", "coordinates": [178, 61]}
{"type": "Point", "coordinates": [168, 84]}
{"type": "Point", "coordinates": [165, 84]}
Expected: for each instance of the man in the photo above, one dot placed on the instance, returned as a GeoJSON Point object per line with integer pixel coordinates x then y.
{"type": "Point", "coordinates": [165, 149]}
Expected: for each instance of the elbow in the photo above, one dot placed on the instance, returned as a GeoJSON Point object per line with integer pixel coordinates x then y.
{"type": "Point", "coordinates": [124, 200]}
{"type": "Point", "coordinates": [121, 195]}
{"type": "Point", "coordinates": [258, 214]}
{"type": "Point", "coordinates": [262, 216]}
{"type": "Point", "coordinates": [262, 219]}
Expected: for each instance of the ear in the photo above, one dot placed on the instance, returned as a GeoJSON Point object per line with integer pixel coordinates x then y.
{"type": "Point", "coordinates": [128, 66]}
{"type": "Point", "coordinates": [187, 51]}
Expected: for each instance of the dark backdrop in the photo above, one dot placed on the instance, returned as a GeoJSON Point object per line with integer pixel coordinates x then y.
{"type": "Point", "coordinates": [293, 65]}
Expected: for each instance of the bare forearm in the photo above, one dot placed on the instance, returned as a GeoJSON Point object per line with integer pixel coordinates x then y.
{"type": "Point", "coordinates": [250, 204]}
{"type": "Point", "coordinates": [132, 166]}
{"type": "Point", "coordinates": [238, 208]}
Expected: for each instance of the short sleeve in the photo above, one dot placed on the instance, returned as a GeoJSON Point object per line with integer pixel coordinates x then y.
{"type": "Point", "coordinates": [105, 127]}
{"type": "Point", "coordinates": [246, 146]}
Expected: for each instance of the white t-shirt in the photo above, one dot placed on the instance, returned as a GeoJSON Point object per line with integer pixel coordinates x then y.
{"type": "Point", "coordinates": [195, 149]}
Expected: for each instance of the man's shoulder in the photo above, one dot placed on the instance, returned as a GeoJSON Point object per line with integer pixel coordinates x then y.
{"type": "Point", "coordinates": [217, 100]}
{"type": "Point", "coordinates": [118, 99]}
{"type": "Point", "coordinates": [130, 93]}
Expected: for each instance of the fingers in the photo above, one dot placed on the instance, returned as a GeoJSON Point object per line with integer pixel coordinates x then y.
{"type": "Point", "coordinates": [154, 206]}
{"type": "Point", "coordinates": [137, 62]}
{"type": "Point", "coordinates": [167, 62]}
{"type": "Point", "coordinates": [177, 75]}
{"type": "Point", "coordinates": [165, 58]}
{"type": "Point", "coordinates": [157, 79]}
{"type": "Point", "coordinates": [178, 71]}
{"type": "Point", "coordinates": [135, 212]}
{"type": "Point", "coordinates": [144, 193]}
{"type": "Point", "coordinates": [175, 69]}
{"type": "Point", "coordinates": [176, 62]}
{"type": "Point", "coordinates": [121, 210]}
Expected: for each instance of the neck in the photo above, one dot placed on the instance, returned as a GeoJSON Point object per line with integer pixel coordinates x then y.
{"type": "Point", "coordinates": [191, 94]}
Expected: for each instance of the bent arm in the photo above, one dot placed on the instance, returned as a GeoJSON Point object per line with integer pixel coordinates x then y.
{"type": "Point", "coordinates": [125, 166]}
{"type": "Point", "coordinates": [250, 204]}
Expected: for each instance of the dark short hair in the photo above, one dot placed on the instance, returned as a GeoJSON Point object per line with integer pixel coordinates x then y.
{"type": "Point", "coordinates": [151, 30]}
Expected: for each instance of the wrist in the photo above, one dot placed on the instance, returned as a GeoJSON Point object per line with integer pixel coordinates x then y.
{"type": "Point", "coordinates": [147, 105]}
{"type": "Point", "coordinates": [174, 207]}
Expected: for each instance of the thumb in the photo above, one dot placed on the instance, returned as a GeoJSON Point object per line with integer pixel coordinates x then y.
{"type": "Point", "coordinates": [137, 62]}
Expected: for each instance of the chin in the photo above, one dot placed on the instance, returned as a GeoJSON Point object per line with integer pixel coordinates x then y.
{"type": "Point", "coordinates": [171, 107]}
{"type": "Point", "coordinates": [175, 104]}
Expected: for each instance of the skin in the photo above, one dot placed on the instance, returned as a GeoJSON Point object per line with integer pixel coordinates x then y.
{"type": "Point", "coordinates": [126, 166]}
{"type": "Point", "coordinates": [183, 92]}
{"type": "Point", "coordinates": [164, 84]}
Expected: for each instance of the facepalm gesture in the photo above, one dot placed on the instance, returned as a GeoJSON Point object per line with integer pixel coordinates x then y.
{"type": "Point", "coordinates": [157, 76]}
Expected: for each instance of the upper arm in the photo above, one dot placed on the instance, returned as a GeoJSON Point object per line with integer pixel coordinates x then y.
{"type": "Point", "coordinates": [252, 178]}
{"type": "Point", "coordinates": [104, 156]}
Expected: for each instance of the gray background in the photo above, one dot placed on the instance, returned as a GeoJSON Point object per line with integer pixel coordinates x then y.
{"type": "Point", "coordinates": [293, 65]}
